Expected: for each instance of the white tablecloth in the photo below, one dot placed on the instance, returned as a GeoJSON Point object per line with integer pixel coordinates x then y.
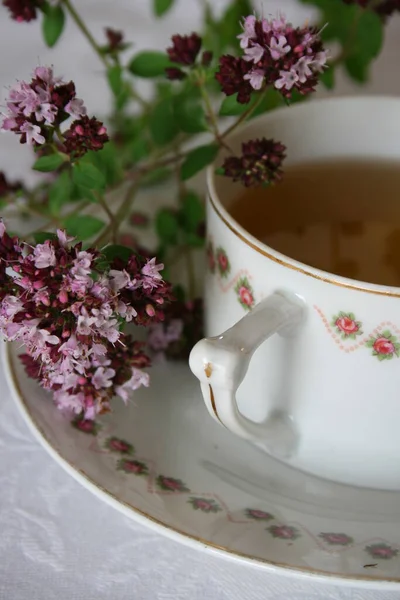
{"type": "Point", "coordinates": [56, 539]}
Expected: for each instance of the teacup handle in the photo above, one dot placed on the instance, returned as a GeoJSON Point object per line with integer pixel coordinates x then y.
{"type": "Point", "coordinates": [221, 363]}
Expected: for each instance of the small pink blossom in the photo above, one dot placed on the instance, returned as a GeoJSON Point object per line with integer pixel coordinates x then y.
{"type": "Point", "coordinates": [63, 238]}
{"type": "Point", "coordinates": [256, 78]}
{"type": "Point", "coordinates": [287, 79]}
{"type": "Point", "coordinates": [254, 53]}
{"type": "Point", "coordinates": [249, 31]}
{"type": "Point", "coordinates": [47, 75]}
{"type": "Point", "coordinates": [279, 47]}
{"type": "Point", "coordinates": [33, 133]}
{"type": "Point", "coordinates": [44, 256]}
{"type": "Point", "coordinates": [151, 271]}
{"type": "Point", "coordinates": [76, 108]}
{"type": "Point", "coordinates": [119, 279]}
{"type": "Point", "coordinates": [102, 378]}
{"type": "Point", "coordinates": [303, 68]}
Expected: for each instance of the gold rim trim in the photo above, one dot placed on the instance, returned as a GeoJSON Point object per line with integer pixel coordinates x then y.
{"type": "Point", "coordinates": [162, 524]}
{"type": "Point", "coordinates": [289, 265]}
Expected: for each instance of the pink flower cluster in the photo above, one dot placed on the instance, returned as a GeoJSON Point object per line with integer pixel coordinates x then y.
{"type": "Point", "coordinates": [275, 53]}
{"type": "Point", "coordinates": [36, 110]}
{"type": "Point", "coordinates": [66, 306]}
{"type": "Point", "coordinates": [45, 101]}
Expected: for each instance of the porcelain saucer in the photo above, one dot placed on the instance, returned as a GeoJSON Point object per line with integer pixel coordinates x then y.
{"type": "Point", "coordinates": [164, 462]}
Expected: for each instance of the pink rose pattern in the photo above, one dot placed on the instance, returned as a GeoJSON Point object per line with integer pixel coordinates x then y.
{"type": "Point", "coordinates": [206, 505]}
{"type": "Point", "coordinates": [383, 551]}
{"type": "Point", "coordinates": [245, 293]}
{"type": "Point", "coordinates": [134, 467]}
{"type": "Point", "coordinates": [115, 444]}
{"type": "Point", "coordinates": [86, 426]}
{"type": "Point", "coordinates": [223, 263]}
{"type": "Point", "coordinates": [336, 539]}
{"type": "Point", "coordinates": [385, 346]}
{"type": "Point", "coordinates": [347, 325]}
{"type": "Point", "coordinates": [169, 484]}
{"type": "Point", "coordinates": [211, 262]}
{"type": "Point", "coordinates": [284, 532]}
{"type": "Point", "coordinates": [218, 259]}
{"type": "Point", "coordinates": [258, 515]}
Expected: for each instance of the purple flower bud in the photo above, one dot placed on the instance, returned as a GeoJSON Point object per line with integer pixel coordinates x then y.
{"type": "Point", "coordinates": [184, 49]}
{"type": "Point", "coordinates": [260, 163]}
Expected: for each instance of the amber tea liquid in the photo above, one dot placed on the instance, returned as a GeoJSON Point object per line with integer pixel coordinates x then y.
{"type": "Point", "coordinates": [342, 217]}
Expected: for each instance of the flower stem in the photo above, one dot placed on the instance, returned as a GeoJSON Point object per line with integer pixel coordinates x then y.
{"type": "Point", "coordinates": [247, 113]}
{"type": "Point", "coordinates": [188, 254]}
{"type": "Point", "coordinates": [110, 215]}
{"type": "Point", "coordinates": [81, 25]}
{"type": "Point", "coordinates": [210, 111]}
{"type": "Point", "coordinates": [119, 216]}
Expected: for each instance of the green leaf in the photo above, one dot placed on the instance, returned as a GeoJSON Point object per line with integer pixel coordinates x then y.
{"type": "Point", "coordinates": [53, 24]}
{"type": "Point", "coordinates": [41, 236]}
{"type": "Point", "coordinates": [160, 7]}
{"type": "Point", "coordinates": [155, 177]}
{"type": "Point", "coordinates": [139, 148]}
{"type": "Point", "coordinates": [149, 63]}
{"type": "Point", "coordinates": [189, 113]}
{"type": "Point", "coordinates": [83, 226]}
{"type": "Point", "coordinates": [230, 22]}
{"type": "Point", "coordinates": [167, 226]}
{"type": "Point", "coordinates": [194, 240]}
{"type": "Point", "coordinates": [88, 177]}
{"type": "Point", "coordinates": [114, 78]}
{"type": "Point", "coordinates": [271, 99]}
{"type": "Point", "coordinates": [192, 212]}
{"type": "Point", "coordinates": [328, 78]}
{"type": "Point", "coordinates": [230, 107]}
{"type": "Point", "coordinates": [360, 32]}
{"type": "Point", "coordinates": [197, 159]}
{"type": "Point", "coordinates": [221, 34]}
{"type": "Point", "coordinates": [357, 68]}
{"type": "Point", "coordinates": [107, 162]}
{"type": "Point", "coordinates": [60, 192]}
{"type": "Point", "coordinates": [117, 251]}
{"type": "Point", "coordinates": [163, 127]}
{"type": "Point", "coordinates": [369, 35]}
{"type": "Point", "coordinates": [367, 43]}
{"type": "Point", "coordinates": [51, 162]}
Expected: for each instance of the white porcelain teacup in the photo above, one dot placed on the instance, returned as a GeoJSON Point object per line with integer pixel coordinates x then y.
{"type": "Point", "coordinates": [313, 396]}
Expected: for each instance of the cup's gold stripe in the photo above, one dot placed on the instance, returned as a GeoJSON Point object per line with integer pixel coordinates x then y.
{"type": "Point", "coordinates": [204, 542]}
{"type": "Point", "coordinates": [294, 267]}
{"type": "Point", "coordinates": [214, 406]}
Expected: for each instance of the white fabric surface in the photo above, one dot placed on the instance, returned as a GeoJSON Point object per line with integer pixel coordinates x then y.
{"type": "Point", "coordinates": [56, 539]}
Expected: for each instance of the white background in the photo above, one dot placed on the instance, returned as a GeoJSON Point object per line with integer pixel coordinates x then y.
{"type": "Point", "coordinates": [56, 539]}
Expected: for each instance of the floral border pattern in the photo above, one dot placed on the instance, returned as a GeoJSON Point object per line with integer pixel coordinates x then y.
{"type": "Point", "coordinates": [345, 328]}
{"type": "Point", "coordinates": [218, 263]}
{"type": "Point", "coordinates": [205, 503]}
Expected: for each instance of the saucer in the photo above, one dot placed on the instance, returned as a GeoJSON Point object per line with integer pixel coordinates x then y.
{"type": "Point", "coordinates": [164, 462]}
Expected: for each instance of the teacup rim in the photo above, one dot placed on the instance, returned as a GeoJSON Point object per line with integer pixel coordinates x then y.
{"type": "Point", "coordinates": [268, 251]}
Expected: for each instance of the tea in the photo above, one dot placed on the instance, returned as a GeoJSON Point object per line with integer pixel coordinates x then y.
{"type": "Point", "coordinates": [339, 216]}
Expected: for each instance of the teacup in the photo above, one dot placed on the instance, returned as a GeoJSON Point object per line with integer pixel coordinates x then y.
{"type": "Point", "coordinates": [323, 402]}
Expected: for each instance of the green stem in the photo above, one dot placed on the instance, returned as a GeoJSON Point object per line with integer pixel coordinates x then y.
{"type": "Point", "coordinates": [187, 252]}
{"type": "Point", "coordinates": [81, 25]}
{"type": "Point", "coordinates": [119, 216]}
{"type": "Point", "coordinates": [210, 111]}
{"type": "Point", "coordinates": [55, 222]}
{"type": "Point", "coordinates": [110, 215]}
{"type": "Point", "coordinates": [244, 116]}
